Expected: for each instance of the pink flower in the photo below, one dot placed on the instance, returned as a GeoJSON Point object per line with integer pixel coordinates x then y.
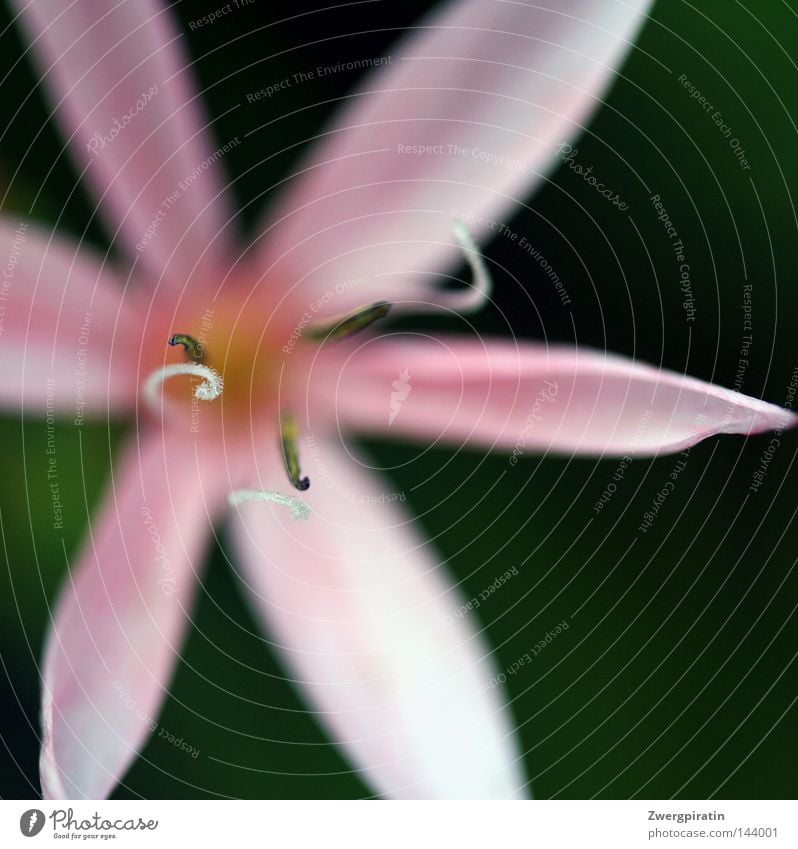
{"type": "Point", "coordinates": [363, 613]}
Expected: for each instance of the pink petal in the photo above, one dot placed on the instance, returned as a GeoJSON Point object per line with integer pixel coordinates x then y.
{"type": "Point", "coordinates": [61, 314]}
{"type": "Point", "coordinates": [529, 397]}
{"type": "Point", "coordinates": [108, 61]}
{"type": "Point", "coordinates": [367, 623]}
{"type": "Point", "coordinates": [120, 617]}
{"type": "Point", "coordinates": [510, 80]}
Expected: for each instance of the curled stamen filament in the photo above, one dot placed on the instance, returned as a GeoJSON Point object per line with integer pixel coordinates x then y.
{"type": "Point", "coordinates": [210, 388]}
{"type": "Point", "coordinates": [482, 286]}
{"type": "Point", "coordinates": [467, 300]}
{"type": "Point", "coordinates": [299, 509]}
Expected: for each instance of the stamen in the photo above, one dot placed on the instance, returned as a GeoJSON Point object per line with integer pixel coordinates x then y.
{"type": "Point", "coordinates": [210, 388]}
{"type": "Point", "coordinates": [193, 348]}
{"type": "Point", "coordinates": [466, 300]}
{"type": "Point", "coordinates": [289, 433]}
{"type": "Point", "coordinates": [299, 509]}
{"type": "Point", "coordinates": [482, 286]}
{"type": "Point", "coordinates": [343, 326]}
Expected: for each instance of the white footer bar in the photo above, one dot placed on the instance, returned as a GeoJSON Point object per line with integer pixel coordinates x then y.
{"type": "Point", "coordinates": [401, 825]}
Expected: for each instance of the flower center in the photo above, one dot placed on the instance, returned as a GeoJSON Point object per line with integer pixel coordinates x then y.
{"type": "Point", "coordinates": [215, 366]}
{"type": "Point", "coordinates": [224, 366]}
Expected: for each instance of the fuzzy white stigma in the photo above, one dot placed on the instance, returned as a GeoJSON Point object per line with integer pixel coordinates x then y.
{"type": "Point", "coordinates": [299, 509]}
{"type": "Point", "coordinates": [210, 388]}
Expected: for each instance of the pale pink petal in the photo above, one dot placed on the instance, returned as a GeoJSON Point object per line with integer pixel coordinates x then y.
{"type": "Point", "coordinates": [479, 78]}
{"type": "Point", "coordinates": [66, 329]}
{"type": "Point", "coordinates": [367, 623]}
{"type": "Point", "coordinates": [528, 397]}
{"type": "Point", "coordinates": [120, 617]}
{"type": "Point", "coordinates": [118, 78]}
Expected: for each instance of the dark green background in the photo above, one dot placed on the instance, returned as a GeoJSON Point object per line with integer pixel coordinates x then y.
{"type": "Point", "coordinates": [677, 676]}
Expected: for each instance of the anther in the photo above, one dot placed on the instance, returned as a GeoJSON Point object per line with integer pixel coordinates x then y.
{"type": "Point", "coordinates": [299, 509]}
{"type": "Point", "coordinates": [289, 433]}
{"type": "Point", "coordinates": [192, 347]}
{"type": "Point", "coordinates": [343, 326]}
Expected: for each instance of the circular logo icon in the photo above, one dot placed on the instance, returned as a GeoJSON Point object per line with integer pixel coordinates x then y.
{"type": "Point", "coordinates": [31, 822]}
